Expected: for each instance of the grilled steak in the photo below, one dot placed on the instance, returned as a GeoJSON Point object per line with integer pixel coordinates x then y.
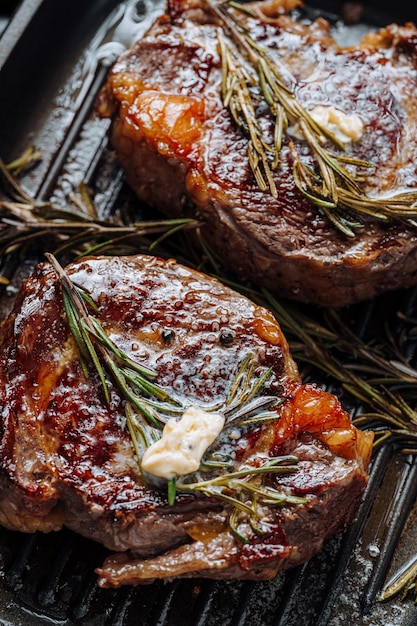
{"type": "Point", "coordinates": [184, 155]}
{"type": "Point", "coordinates": [67, 456]}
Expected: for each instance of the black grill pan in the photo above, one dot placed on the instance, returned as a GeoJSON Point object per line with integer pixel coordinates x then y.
{"type": "Point", "coordinates": [54, 57]}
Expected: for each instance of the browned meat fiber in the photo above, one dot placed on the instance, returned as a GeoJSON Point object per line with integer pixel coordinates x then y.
{"type": "Point", "coordinates": [67, 456]}
{"type": "Point", "coordinates": [184, 155]}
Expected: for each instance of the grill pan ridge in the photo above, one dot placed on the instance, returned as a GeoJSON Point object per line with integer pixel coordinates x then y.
{"type": "Point", "coordinates": [53, 60]}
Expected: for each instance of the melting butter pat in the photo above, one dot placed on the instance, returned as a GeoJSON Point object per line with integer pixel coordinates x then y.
{"type": "Point", "coordinates": [344, 127]}
{"type": "Point", "coordinates": [183, 443]}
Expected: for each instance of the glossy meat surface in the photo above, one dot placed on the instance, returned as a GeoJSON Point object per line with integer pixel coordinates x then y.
{"type": "Point", "coordinates": [67, 457]}
{"type": "Point", "coordinates": [183, 154]}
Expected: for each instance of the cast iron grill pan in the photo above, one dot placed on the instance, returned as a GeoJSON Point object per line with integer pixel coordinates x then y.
{"type": "Point", "coordinates": [54, 57]}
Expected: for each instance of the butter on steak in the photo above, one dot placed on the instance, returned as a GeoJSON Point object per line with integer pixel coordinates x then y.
{"type": "Point", "coordinates": [67, 459]}
{"type": "Point", "coordinates": [183, 154]}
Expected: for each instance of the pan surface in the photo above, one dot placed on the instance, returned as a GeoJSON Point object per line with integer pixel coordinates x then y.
{"type": "Point", "coordinates": [54, 57]}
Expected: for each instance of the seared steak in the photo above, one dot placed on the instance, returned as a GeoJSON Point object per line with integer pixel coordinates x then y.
{"type": "Point", "coordinates": [184, 155]}
{"type": "Point", "coordinates": [67, 456]}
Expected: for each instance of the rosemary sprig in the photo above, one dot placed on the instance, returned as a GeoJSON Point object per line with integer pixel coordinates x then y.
{"type": "Point", "coordinates": [249, 73]}
{"type": "Point", "coordinates": [237, 97]}
{"type": "Point", "coordinates": [244, 491]}
{"type": "Point", "coordinates": [11, 171]}
{"type": "Point", "coordinates": [403, 583]}
{"type": "Point", "coordinates": [24, 220]}
{"type": "Point", "coordinates": [148, 405]}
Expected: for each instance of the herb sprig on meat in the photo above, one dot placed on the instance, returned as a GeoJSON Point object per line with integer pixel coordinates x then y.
{"type": "Point", "coordinates": [148, 407]}
{"type": "Point", "coordinates": [250, 73]}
